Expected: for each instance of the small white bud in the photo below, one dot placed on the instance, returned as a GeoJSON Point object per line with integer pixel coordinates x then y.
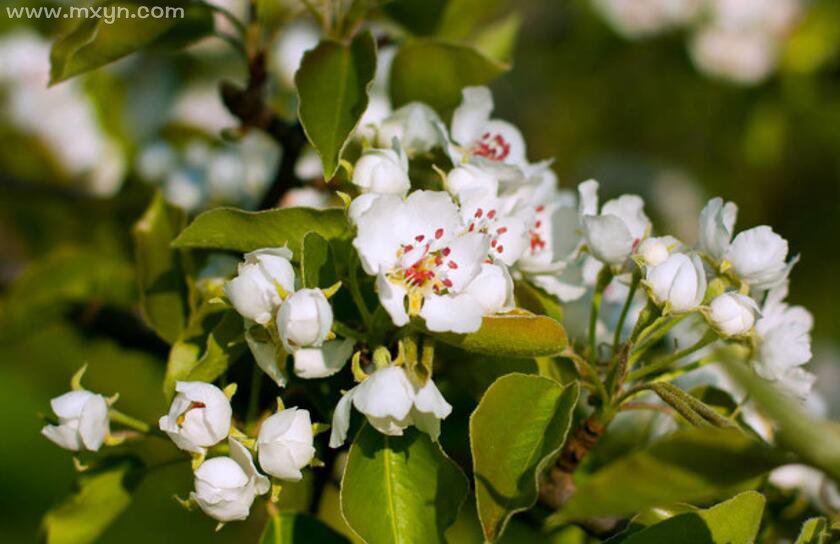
{"type": "Point", "coordinates": [83, 421]}
{"type": "Point", "coordinates": [198, 418]}
{"type": "Point", "coordinates": [680, 280]}
{"type": "Point", "coordinates": [654, 251]}
{"type": "Point", "coordinates": [284, 445]}
{"type": "Point", "coordinates": [733, 314]}
{"type": "Point", "coordinates": [304, 319]}
{"type": "Point", "coordinates": [382, 171]}
{"type": "Point", "coordinates": [253, 292]}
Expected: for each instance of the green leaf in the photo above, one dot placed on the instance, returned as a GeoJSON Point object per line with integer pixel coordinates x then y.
{"type": "Point", "coordinates": [400, 488]}
{"type": "Point", "coordinates": [533, 414]}
{"type": "Point", "coordinates": [297, 528]}
{"type": "Point", "coordinates": [225, 344]}
{"type": "Point", "coordinates": [537, 301]}
{"type": "Point", "coordinates": [333, 82]}
{"type": "Point", "coordinates": [187, 350]}
{"type": "Point", "coordinates": [814, 531]}
{"type": "Point", "coordinates": [103, 494]}
{"type": "Point", "coordinates": [735, 521]}
{"type": "Point", "coordinates": [238, 230]}
{"type": "Point", "coordinates": [434, 72]}
{"type": "Point", "coordinates": [317, 268]}
{"type": "Point", "coordinates": [816, 441]}
{"type": "Point", "coordinates": [159, 272]}
{"type": "Point", "coordinates": [97, 41]}
{"type": "Point", "coordinates": [512, 335]}
{"type": "Point", "coordinates": [695, 465]}
{"type": "Point", "coordinates": [420, 17]}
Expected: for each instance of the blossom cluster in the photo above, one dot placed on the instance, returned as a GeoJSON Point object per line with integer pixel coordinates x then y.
{"type": "Point", "coordinates": [738, 40]}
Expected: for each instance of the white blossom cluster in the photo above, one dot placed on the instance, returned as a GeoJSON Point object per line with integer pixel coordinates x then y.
{"type": "Point", "coordinates": [738, 40]}
{"type": "Point", "coordinates": [63, 119]}
{"type": "Point", "coordinates": [448, 257]}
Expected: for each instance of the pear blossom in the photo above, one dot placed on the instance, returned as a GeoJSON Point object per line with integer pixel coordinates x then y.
{"type": "Point", "coordinates": [254, 291]}
{"type": "Point", "coordinates": [284, 445]}
{"type": "Point", "coordinates": [784, 343]}
{"type": "Point", "coordinates": [640, 18]}
{"type": "Point", "coordinates": [414, 126]}
{"type": "Point", "coordinates": [420, 251]}
{"type": "Point", "coordinates": [679, 281]}
{"type": "Point", "coordinates": [82, 421]}
{"type": "Point", "coordinates": [477, 138]}
{"type": "Point", "coordinates": [733, 314]}
{"type": "Point", "coordinates": [304, 321]}
{"type": "Point", "coordinates": [225, 487]}
{"type": "Point", "coordinates": [758, 256]}
{"type": "Point", "coordinates": [656, 250]}
{"type": "Point", "coordinates": [717, 225]}
{"type": "Point", "coordinates": [198, 418]}
{"type": "Point", "coordinates": [383, 171]}
{"type": "Point", "coordinates": [391, 401]}
{"type": "Point", "coordinates": [613, 234]}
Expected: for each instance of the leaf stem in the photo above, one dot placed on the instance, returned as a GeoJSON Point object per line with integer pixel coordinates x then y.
{"type": "Point", "coordinates": [654, 334]}
{"type": "Point", "coordinates": [634, 285]}
{"type": "Point", "coordinates": [233, 19]}
{"type": "Point", "coordinates": [131, 422]}
{"type": "Point", "coordinates": [667, 361]}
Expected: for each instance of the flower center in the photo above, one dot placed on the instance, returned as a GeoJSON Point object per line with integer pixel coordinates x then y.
{"type": "Point", "coordinates": [423, 269]}
{"type": "Point", "coordinates": [537, 242]}
{"type": "Point", "coordinates": [482, 222]}
{"type": "Point", "coordinates": [492, 146]}
{"type": "Point", "coordinates": [193, 405]}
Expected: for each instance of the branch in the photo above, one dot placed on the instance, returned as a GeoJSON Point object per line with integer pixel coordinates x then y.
{"type": "Point", "coordinates": [249, 106]}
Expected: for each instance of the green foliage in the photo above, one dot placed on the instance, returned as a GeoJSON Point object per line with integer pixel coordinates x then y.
{"type": "Point", "coordinates": [159, 271]}
{"type": "Point", "coordinates": [434, 72]}
{"type": "Point", "coordinates": [816, 441]}
{"type": "Point", "coordinates": [333, 82]}
{"type": "Point", "coordinates": [695, 465]}
{"type": "Point", "coordinates": [512, 335]}
{"type": "Point", "coordinates": [297, 528]}
{"type": "Point", "coordinates": [400, 488]}
{"type": "Point", "coordinates": [104, 492]}
{"type": "Point", "coordinates": [97, 41]}
{"type": "Point", "coordinates": [519, 426]}
{"type": "Point", "coordinates": [814, 531]}
{"type": "Point", "coordinates": [237, 230]}
{"type": "Point", "coordinates": [735, 521]}
{"type": "Point", "coordinates": [317, 266]}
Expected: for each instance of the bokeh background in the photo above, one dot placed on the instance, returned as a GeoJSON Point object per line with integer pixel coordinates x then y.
{"type": "Point", "coordinates": [79, 162]}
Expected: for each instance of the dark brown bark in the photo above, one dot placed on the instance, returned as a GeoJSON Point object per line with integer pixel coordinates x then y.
{"type": "Point", "coordinates": [557, 485]}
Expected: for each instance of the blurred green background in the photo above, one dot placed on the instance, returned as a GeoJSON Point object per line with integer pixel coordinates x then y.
{"type": "Point", "coordinates": [637, 115]}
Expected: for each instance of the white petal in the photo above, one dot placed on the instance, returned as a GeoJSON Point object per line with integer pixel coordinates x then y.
{"type": "Point", "coordinates": [608, 238]}
{"type": "Point", "coordinates": [588, 197]}
{"type": "Point", "coordinates": [70, 404]}
{"type": "Point", "coordinates": [386, 393]}
{"type": "Point", "coordinates": [380, 232]}
{"type": "Point", "coordinates": [452, 313]}
{"type": "Point", "coordinates": [341, 419]}
{"type": "Point", "coordinates": [65, 436]}
{"type": "Point", "coordinates": [492, 288]}
{"type": "Point", "coordinates": [392, 296]}
{"type": "Point", "coordinates": [630, 209]}
{"type": "Point", "coordinates": [472, 115]}
{"type": "Point", "coordinates": [266, 356]}
{"type": "Point", "coordinates": [325, 361]}
{"type": "Point", "coordinates": [93, 422]}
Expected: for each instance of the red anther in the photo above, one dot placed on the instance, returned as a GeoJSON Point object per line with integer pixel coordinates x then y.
{"type": "Point", "coordinates": [419, 237]}
{"type": "Point", "coordinates": [452, 264]}
{"type": "Point", "coordinates": [493, 243]}
{"type": "Point", "coordinates": [447, 282]}
{"type": "Point", "coordinates": [491, 214]}
{"type": "Point", "coordinates": [438, 234]}
{"type": "Point", "coordinates": [538, 224]}
{"type": "Point", "coordinates": [540, 208]}
{"type": "Point", "coordinates": [479, 212]}
{"type": "Point", "coordinates": [501, 230]}
{"type": "Point", "coordinates": [500, 248]}
{"type": "Point", "coordinates": [446, 251]}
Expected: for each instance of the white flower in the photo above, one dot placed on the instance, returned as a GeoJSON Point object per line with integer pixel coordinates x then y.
{"type": "Point", "coordinates": [612, 235]}
{"type": "Point", "coordinates": [225, 487]}
{"type": "Point", "coordinates": [82, 421]}
{"type": "Point", "coordinates": [477, 137]}
{"type": "Point", "coordinates": [414, 125]}
{"type": "Point", "coordinates": [641, 18]}
{"type": "Point", "coordinates": [679, 281]}
{"type": "Point", "coordinates": [304, 321]}
{"type": "Point", "coordinates": [743, 56]}
{"type": "Point", "coordinates": [198, 418]}
{"type": "Point", "coordinates": [383, 171]}
{"type": "Point", "coordinates": [391, 402]}
{"type": "Point", "coordinates": [287, 52]}
{"type": "Point", "coordinates": [656, 250]}
{"type": "Point", "coordinates": [717, 224]}
{"type": "Point", "coordinates": [733, 314]}
{"type": "Point", "coordinates": [418, 250]}
{"type": "Point", "coordinates": [784, 343]}
{"type": "Point", "coordinates": [758, 257]}
{"type": "Point", "coordinates": [284, 445]}
{"type": "Point", "coordinates": [254, 291]}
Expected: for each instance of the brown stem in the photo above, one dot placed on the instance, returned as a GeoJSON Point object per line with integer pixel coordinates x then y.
{"type": "Point", "coordinates": [249, 106]}
{"type": "Point", "coordinates": [558, 485]}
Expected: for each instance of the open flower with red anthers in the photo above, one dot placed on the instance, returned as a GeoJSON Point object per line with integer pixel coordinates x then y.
{"type": "Point", "coordinates": [427, 263]}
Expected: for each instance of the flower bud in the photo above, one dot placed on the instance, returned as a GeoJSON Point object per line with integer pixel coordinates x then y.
{"type": "Point", "coordinates": [253, 292]}
{"type": "Point", "coordinates": [304, 319]}
{"type": "Point", "coordinates": [654, 251]}
{"type": "Point", "coordinates": [758, 257]}
{"type": "Point", "coordinates": [284, 444]}
{"type": "Point", "coordinates": [225, 487]}
{"type": "Point", "coordinates": [414, 125]}
{"type": "Point", "coordinates": [717, 223]}
{"type": "Point", "coordinates": [679, 281]}
{"type": "Point", "coordinates": [198, 418]}
{"type": "Point", "coordinates": [733, 314]}
{"type": "Point", "coordinates": [382, 171]}
{"type": "Point", "coordinates": [83, 421]}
